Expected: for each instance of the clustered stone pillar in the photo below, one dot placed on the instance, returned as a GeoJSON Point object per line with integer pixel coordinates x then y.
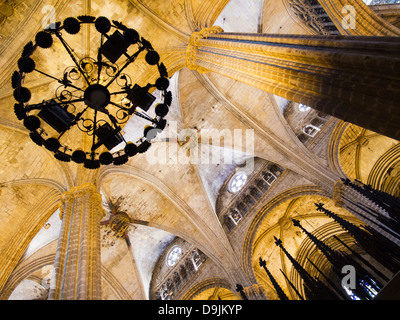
{"type": "Point", "coordinates": [77, 267]}
{"type": "Point", "coordinates": [353, 78]}
{"type": "Point", "coordinates": [373, 214]}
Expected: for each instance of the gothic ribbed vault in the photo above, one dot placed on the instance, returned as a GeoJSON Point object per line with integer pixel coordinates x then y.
{"type": "Point", "coordinates": [185, 204]}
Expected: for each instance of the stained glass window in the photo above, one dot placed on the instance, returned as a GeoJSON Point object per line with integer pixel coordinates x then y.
{"type": "Point", "coordinates": [351, 294]}
{"type": "Point", "coordinates": [303, 108]}
{"type": "Point", "coordinates": [269, 177]}
{"type": "Point", "coordinates": [237, 182]}
{"type": "Point", "coordinates": [371, 288]}
{"type": "Point", "coordinates": [311, 130]}
{"type": "Point", "coordinates": [373, 2]}
{"type": "Point", "coordinates": [235, 216]}
{"type": "Point", "coordinates": [173, 256]}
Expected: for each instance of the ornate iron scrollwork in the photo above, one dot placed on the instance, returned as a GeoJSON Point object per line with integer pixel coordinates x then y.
{"type": "Point", "coordinates": [94, 95]}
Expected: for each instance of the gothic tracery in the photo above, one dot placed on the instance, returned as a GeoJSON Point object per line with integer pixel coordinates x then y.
{"type": "Point", "coordinates": [181, 230]}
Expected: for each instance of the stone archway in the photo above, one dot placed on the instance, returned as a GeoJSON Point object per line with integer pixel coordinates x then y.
{"type": "Point", "coordinates": [277, 224]}
{"type": "Point", "coordinates": [370, 158]}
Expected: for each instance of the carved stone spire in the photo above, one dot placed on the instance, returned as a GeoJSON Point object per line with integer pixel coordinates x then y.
{"type": "Point", "coordinates": [240, 289]}
{"type": "Point", "coordinates": [338, 260]}
{"type": "Point", "coordinates": [278, 289]}
{"type": "Point", "coordinates": [376, 245]}
{"type": "Point", "coordinates": [314, 288]}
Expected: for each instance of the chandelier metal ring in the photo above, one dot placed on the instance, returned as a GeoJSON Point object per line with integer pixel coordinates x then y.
{"type": "Point", "coordinates": [94, 95]}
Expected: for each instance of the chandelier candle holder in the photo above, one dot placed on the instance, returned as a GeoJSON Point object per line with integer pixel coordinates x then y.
{"type": "Point", "coordinates": [91, 95]}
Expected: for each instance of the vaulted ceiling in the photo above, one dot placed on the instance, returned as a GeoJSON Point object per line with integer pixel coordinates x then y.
{"type": "Point", "coordinates": [163, 200]}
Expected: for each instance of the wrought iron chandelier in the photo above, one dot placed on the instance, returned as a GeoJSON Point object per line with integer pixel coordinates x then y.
{"type": "Point", "coordinates": [94, 96]}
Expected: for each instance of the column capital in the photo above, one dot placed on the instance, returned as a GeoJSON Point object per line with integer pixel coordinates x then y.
{"type": "Point", "coordinates": [79, 191]}
{"type": "Point", "coordinates": [194, 43]}
{"type": "Point", "coordinates": [204, 33]}
{"type": "Point", "coordinates": [338, 193]}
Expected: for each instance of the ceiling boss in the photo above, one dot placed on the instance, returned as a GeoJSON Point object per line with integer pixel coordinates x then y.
{"type": "Point", "coordinates": [94, 95]}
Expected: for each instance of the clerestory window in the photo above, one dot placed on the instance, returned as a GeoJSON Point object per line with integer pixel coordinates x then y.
{"type": "Point", "coordinates": [237, 182]}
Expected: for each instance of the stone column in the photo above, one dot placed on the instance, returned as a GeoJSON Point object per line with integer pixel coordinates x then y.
{"type": "Point", "coordinates": [77, 266]}
{"type": "Point", "coordinates": [353, 78]}
{"type": "Point", "coordinates": [371, 213]}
